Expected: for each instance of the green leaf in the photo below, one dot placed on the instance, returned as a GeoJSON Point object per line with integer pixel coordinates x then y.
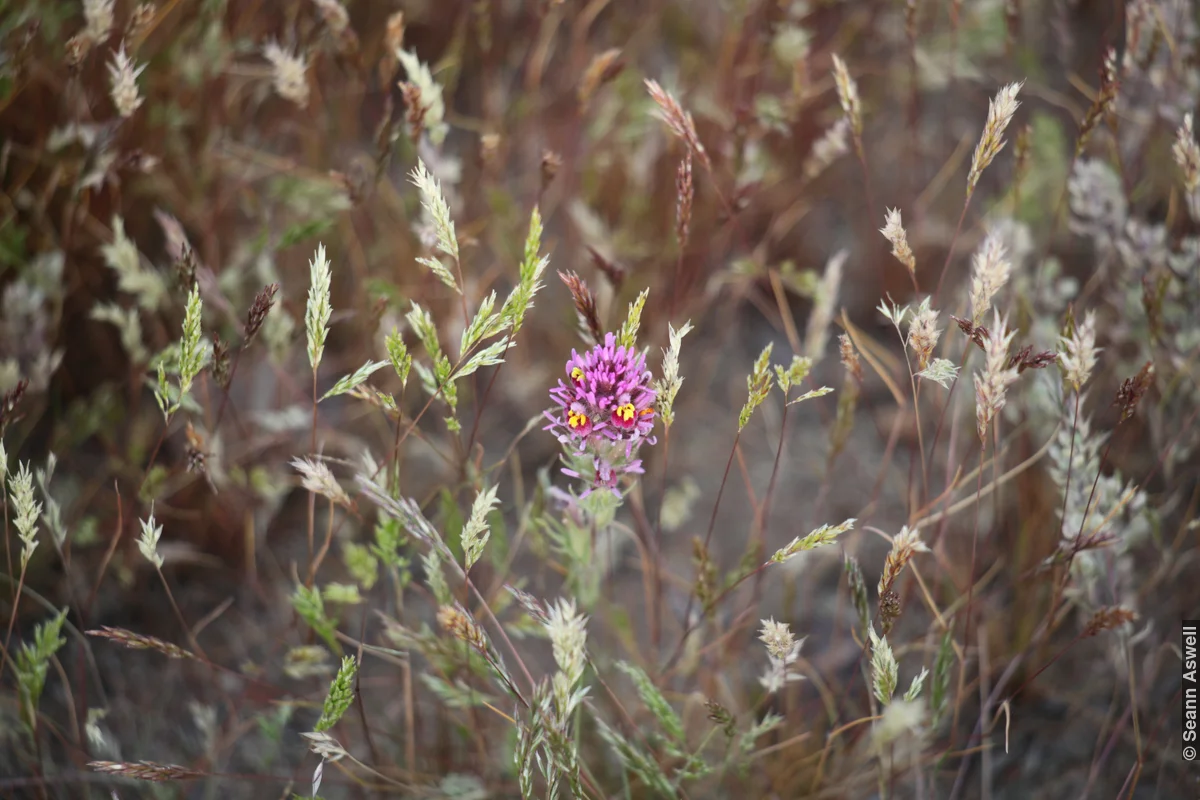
{"type": "Point", "coordinates": [354, 379]}
{"type": "Point", "coordinates": [345, 594]}
{"type": "Point", "coordinates": [815, 393]}
{"type": "Point", "coordinates": [487, 357]}
{"type": "Point", "coordinates": [486, 323]}
{"type": "Point", "coordinates": [362, 563]}
{"type": "Point", "coordinates": [311, 608]}
{"type": "Point", "coordinates": [654, 701]}
{"type": "Point", "coordinates": [637, 760]}
{"type": "Point", "coordinates": [454, 695]}
{"type": "Point", "coordinates": [32, 664]}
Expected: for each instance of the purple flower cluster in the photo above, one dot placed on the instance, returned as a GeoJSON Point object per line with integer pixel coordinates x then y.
{"type": "Point", "coordinates": [605, 410]}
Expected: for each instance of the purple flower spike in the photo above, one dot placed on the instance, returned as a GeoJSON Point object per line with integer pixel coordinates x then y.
{"type": "Point", "coordinates": [605, 410]}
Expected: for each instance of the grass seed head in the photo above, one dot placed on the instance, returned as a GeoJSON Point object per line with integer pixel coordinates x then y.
{"type": "Point", "coordinates": [1000, 113]}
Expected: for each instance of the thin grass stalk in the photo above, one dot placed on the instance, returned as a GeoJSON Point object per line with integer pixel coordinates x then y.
{"type": "Point", "coordinates": [153, 455]}
{"type": "Point", "coordinates": [8, 558]}
{"type": "Point", "coordinates": [486, 392]}
{"type": "Point", "coordinates": [320, 556]}
{"type": "Point", "coordinates": [237, 359]}
{"type": "Point", "coordinates": [916, 393]}
{"type": "Point", "coordinates": [762, 516]}
{"type": "Point", "coordinates": [312, 498]}
{"type": "Point", "coordinates": [12, 619]}
{"type": "Point", "coordinates": [712, 523]}
{"type": "Point", "coordinates": [656, 617]}
{"type": "Point", "coordinates": [503, 636]}
{"type": "Point", "coordinates": [962, 666]}
{"type": "Point", "coordinates": [937, 434]}
{"type": "Point", "coordinates": [1048, 622]}
{"type": "Point", "coordinates": [867, 189]}
{"type": "Point", "coordinates": [1060, 586]}
{"type": "Point", "coordinates": [950, 251]}
{"type": "Point", "coordinates": [716, 601]}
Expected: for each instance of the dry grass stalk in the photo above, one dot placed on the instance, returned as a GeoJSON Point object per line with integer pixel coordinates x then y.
{"type": "Point", "coordinates": [603, 68]}
{"type": "Point", "coordinates": [123, 75]}
{"type": "Point", "coordinates": [289, 73]}
{"type": "Point", "coordinates": [679, 121]}
{"type": "Point", "coordinates": [849, 357]}
{"type": "Point", "coordinates": [1000, 113]}
{"type": "Point", "coordinates": [1102, 107]}
{"type": "Point", "coordinates": [923, 333]}
{"type": "Point", "coordinates": [614, 272]}
{"type": "Point", "coordinates": [220, 365]}
{"type": "Point", "coordinates": [906, 544]}
{"type": "Point", "coordinates": [1187, 156]}
{"type": "Point", "coordinates": [137, 641]}
{"type": "Point", "coordinates": [893, 231]}
{"type": "Point", "coordinates": [585, 307]}
{"type": "Point", "coordinates": [991, 384]}
{"type": "Point", "coordinates": [833, 144]}
{"type": "Point", "coordinates": [257, 315]}
{"type": "Point", "coordinates": [9, 402]}
{"type": "Point", "coordinates": [1106, 619]}
{"type": "Point", "coordinates": [140, 22]}
{"type": "Point", "coordinates": [990, 272]}
{"type": "Point", "coordinates": [684, 194]}
{"type": "Point", "coordinates": [415, 114]}
{"type": "Point", "coordinates": [145, 770]}
{"type": "Point", "coordinates": [1133, 389]}
{"type": "Point", "coordinates": [847, 91]}
{"type": "Point", "coordinates": [551, 163]}
{"type": "Point", "coordinates": [459, 625]}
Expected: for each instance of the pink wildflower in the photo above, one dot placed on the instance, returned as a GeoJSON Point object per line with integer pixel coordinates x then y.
{"type": "Point", "coordinates": [605, 410]}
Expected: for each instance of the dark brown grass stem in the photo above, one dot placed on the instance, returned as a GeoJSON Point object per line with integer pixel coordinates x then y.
{"type": "Point", "coordinates": [762, 518]}
{"type": "Point", "coordinates": [937, 434]}
{"type": "Point", "coordinates": [187, 630]}
{"type": "Point", "coordinates": [962, 665]}
{"type": "Point", "coordinates": [1060, 585]}
{"type": "Point", "coordinates": [154, 454]}
{"type": "Point", "coordinates": [225, 391]}
{"type": "Point", "coordinates": [1047, 626]}
{"type": "Point", "coordinates": [914, 108]}
{"type": "Point", "coordinates": [867, 189]}
{"type": "Point", "coordinates": [712, 523]}
{"type": "Point", "coordinates": [950, 252]}
{"type": "Point", "coordinates": [393, 461]}
{"type": "Point", "coordinates": [656, 617]}
{"type": "Point", "coordinates": [503, 635]}
{"type": "Point", "coordinates": [486, 393]}
{"type": "Point", "coordinates": [675, 287]}
{"type": "Point", "coordinates": [12, 618]}
{"type": "Point", "coordinates": [914, 387]}
{"type": "Point", "coordinates": [413, 424]}
{"type": "Point", "coordinates": [237, 359]}
{"type": "Point", "coordinates": [324, 551]}
{"type": "Point", "coordinates": [955, 10]}
{"type": "Point", "coordinates": [716, 601]}
{"type": "Point", "coordinates": [1062, 515]}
